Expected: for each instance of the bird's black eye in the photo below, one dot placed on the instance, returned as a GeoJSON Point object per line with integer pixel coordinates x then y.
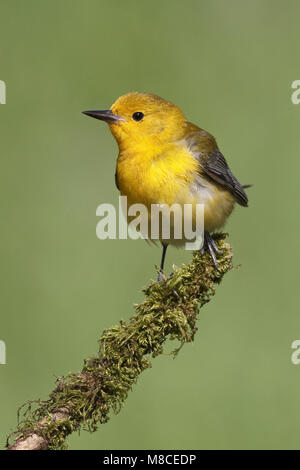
{"type": "Point", "coordinates": [137, 116]}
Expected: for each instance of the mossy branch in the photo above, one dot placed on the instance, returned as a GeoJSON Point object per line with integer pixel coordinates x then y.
{"type": "Point", "coordinates": [85, 399]}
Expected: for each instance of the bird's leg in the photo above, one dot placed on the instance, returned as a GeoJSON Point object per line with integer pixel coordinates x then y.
{"type": "Point", "coordinates": [210, 245]}
{"type": "Point", "coordinates": [214, 245]}
{"type": "Point", "coordinates": [161, 269]}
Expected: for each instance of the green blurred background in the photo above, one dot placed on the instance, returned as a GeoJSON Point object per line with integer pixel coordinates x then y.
{"type": "Point", "coordinates": [229, 66]}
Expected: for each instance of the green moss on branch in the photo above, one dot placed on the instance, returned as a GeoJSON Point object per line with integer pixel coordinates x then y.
{"type": "Point", "coordinates": [85, 399]}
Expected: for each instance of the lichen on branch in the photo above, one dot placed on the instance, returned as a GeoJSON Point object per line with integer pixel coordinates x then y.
{"type": "Point", "coordinates": [86, 399]}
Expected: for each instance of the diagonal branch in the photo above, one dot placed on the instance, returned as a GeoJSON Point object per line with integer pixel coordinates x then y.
{"type": "Point", "coordinates": [85, 399]}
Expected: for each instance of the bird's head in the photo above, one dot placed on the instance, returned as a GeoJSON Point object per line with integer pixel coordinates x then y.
{"type": "Point", "coordinates": [142, 118]}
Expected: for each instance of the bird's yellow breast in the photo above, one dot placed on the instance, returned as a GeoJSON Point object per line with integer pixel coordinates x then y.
{"type": "Point", "coordinates": [171, 175]}
{"type": "Point", "coordinates": [157, 177]}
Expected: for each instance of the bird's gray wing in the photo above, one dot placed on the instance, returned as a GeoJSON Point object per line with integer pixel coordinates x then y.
{"type": "Point", "coordinates": [204, 148]}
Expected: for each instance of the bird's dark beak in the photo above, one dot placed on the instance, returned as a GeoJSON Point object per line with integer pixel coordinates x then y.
{"type": "Point", "coordinates": [104, 115]}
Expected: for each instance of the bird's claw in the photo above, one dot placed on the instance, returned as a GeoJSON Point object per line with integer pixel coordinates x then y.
{"type": "Point", "coordinates": [162, 276]}
{"type": "Point", "coordinates": [211, 246]}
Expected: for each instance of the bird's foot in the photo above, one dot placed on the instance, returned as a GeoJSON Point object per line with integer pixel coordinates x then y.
{"type": "Point", "coordinates": [210, 245]}
{"type": "Point", "coordinates": [161, 276]}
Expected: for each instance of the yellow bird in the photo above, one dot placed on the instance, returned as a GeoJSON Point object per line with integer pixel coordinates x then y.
{"type": "Point", "coordinates": [164, 159]}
